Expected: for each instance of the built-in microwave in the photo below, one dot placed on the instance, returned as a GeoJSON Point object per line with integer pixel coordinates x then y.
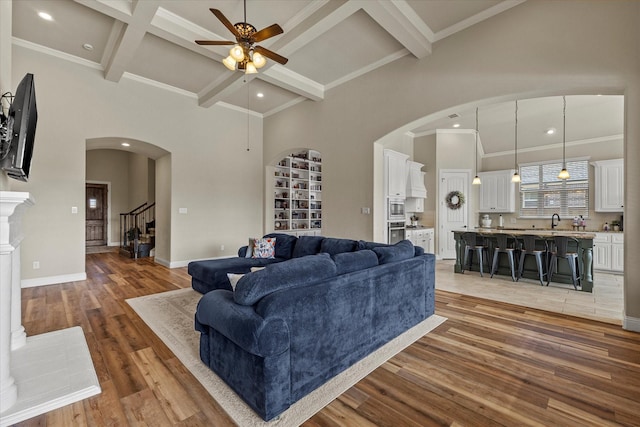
{"type": "Point", "coordinates": [395, 210]}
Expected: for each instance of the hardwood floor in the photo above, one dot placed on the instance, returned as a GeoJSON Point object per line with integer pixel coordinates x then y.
{"type": "Point", "coordinates": [490, 364]}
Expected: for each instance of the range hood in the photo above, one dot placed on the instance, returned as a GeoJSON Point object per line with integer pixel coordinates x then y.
{"type": "Point", "coordinates": [415, 180]}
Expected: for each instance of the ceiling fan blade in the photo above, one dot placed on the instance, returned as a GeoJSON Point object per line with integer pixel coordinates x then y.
{"type": "Point", "coordinates": [214, 42]}
{"type": "Point", "coordinates": [225, 22]}
{"type": "Point", "coordinates": [266, 33]}
{"type": "Point", "coordinates": [271, 54]}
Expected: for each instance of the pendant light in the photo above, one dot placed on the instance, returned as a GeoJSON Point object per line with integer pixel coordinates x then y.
{"type": "Point", "coordinates": [516, 176]}
{"type": "Point", "coordinates": [564, 174]}
{"type": "Point", "coordinates": [476, 180]}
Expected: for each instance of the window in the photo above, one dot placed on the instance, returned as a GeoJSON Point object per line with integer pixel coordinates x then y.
{"type": "Point", "coordinates": [542, 194]}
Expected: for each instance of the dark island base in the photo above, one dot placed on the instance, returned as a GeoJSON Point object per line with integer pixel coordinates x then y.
{"type": "Point", "coordinates": [562, 274]}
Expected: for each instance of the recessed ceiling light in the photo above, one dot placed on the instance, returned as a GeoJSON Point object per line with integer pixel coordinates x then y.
{"type": "Point", "coordinates": [456, 125]}
{"type": "Point", "coordinates": [550, 131]}
{"type": "Point", "coordinates": [45, 16]}
{"type": "Point", "coordinates": [260, 95]}
{"type": "Point", "coordinates": [125, 144]}
{"type": "Point", "coordinates": [87, 46]}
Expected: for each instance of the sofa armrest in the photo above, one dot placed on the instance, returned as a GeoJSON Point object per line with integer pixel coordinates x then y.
{"type": "Point", "coordinates": [242, 252]}
{"type": "Point", "coordinates": [241, 324]}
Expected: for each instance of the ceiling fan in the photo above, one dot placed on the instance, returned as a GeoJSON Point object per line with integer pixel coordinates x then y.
{"type": "Point", "coordinates": [245, 53]}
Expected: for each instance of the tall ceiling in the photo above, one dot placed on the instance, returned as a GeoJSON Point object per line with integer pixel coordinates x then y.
{"type": "Point", "coordinates": [328, 42]}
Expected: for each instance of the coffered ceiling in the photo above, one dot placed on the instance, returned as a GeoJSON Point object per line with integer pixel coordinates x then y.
{"type": "Point", "coordinates": [328, 42]}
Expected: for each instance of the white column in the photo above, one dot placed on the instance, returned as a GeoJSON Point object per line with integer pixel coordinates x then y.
{"type": "Point", "coordinates": [9, 239]}
{"type": "Point", "coordinates": [18, 334]}
{"type": "Point", "coordinates": [8, 389]}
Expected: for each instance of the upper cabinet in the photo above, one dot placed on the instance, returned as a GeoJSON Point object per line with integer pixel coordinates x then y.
{"type": "Point", "coordinates": [415, 180]}
{"type": "Point", "coordinates": [609, 185]}
{"type": "Point", "coordinates": [395, 169]}
{"type": "Point", "coordinates": [497, 192]}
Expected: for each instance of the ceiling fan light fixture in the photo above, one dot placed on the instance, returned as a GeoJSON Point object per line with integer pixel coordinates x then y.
{"type": "Point", "coordinates": [250, 68]}
{"type": "Point", "coordinates": [237, 53]}
{"type": "Point", "coordinates": [259, 60]}
{"type": "Point", "coordinates": [230, 63]}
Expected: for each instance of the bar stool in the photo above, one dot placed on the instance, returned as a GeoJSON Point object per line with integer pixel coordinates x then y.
{"type": "Point", "coordinates": [476, 244]}
{"type": "Point", "coordinates": [530, 247]}
{"type": "Point", "coordinates": [561, 243]}
{"type": "Point", "coordinates": [502, 247]}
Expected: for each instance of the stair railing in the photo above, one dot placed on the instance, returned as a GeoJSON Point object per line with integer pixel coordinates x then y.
{"type": "Point", "coordinates": [133, 224]}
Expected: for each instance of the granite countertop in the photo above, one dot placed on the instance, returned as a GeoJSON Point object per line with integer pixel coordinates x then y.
{"type": "Point", "coordinates": [536, 231]}
{"type": "Point", "coordinates": [418, 227]}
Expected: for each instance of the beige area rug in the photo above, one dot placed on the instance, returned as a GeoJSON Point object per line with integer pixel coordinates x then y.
{"type": "Point", "coordinates": [171, 315]}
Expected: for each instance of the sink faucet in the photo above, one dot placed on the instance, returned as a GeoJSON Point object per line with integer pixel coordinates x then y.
{"type": "Point", "coordinates": [554, 224]}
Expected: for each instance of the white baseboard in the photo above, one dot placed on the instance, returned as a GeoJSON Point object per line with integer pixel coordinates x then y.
{"type": "Point", "coordinates": [631, 323]}
{"type": "Point", "coordinates": [161, 261]}
{"type": "Point", "coordinates": [178, 264]}
{"type": "Point", "coordinates": [53, 280]}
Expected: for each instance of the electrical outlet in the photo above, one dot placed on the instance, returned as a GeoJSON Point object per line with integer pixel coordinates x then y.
{"type": "Point", "coordinates": [366, 211]}
{"type": "Point", "coordinates": [36, 265]}
{"type": "Point", "coordinates": [222, 247]}
{"type": "Point", "coordinates": [513, 220]}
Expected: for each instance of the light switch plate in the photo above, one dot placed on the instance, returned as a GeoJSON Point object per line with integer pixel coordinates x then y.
{"type": "Point", "coordinates": [182, 210]}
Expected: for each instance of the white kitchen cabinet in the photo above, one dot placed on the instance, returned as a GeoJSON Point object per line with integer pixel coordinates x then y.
{"type": "Point", "coordinates": [414, 204]}
{"type": "Point", "coordinates": [608, 252]}
{"type": "Point", "coordinates": [497, 192]}
{"type": "Point", "coordinates": [422, 237]}
{"type": "Point", "coordinates": [617, 252]}
{"type": "Point", "coordinates": [609, 185]}
{"type": "Point", "coordinates": [395, 168]}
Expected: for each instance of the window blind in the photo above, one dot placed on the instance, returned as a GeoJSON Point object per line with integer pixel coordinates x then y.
{"type": "Point", "coordinates": [542, 194]}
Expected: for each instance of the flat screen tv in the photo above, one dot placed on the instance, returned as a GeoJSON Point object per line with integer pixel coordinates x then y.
{"type": "Point", "coordinates": [20, 131]}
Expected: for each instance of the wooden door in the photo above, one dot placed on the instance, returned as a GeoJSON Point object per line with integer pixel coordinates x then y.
{"type": "Point", "coordinates": [96, 214]}
{"type": "Point", "coordinates": [452, 219]}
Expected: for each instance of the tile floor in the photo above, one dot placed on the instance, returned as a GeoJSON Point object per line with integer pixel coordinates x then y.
{"type": "Point", "coordinates": [604, 304]}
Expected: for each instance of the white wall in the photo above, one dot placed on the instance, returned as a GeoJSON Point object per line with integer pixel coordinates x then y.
{"type": "Point", "coordinates": [537, 48]}
{"type": "Point", "coordinates": [209, 172]}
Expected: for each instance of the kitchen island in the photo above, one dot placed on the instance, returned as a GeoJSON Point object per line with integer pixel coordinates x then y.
{"type": "Point", "coordinates": [583, 246]}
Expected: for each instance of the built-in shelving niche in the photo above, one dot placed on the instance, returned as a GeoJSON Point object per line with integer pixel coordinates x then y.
{"type": "Point", "coordinates": [295, 183]}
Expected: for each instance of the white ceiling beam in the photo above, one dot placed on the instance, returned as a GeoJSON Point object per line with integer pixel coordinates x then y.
{"type": "Point", "coordinates": [117, 9]}
{"type": "Point", "coordinates": [130, 39]}
{"type": "Point", "coordinates": [402, 23]}
{"type": "Point", "coordinates": [219, 89]}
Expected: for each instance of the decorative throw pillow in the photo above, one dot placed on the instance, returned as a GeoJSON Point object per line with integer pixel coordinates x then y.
{"type": "Point", "coordinates": [249, 253]}
{"type": "Point", "coordinates": [264, 248]}
{"type": "Point", "coordinates": [233, 279]}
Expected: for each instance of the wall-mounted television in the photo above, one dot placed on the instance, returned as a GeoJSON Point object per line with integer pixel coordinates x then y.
{"type": "Point", "coordinates": [19, 129]}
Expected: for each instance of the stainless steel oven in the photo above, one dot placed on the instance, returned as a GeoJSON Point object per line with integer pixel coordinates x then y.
{"type": "Point", "coordinates": [396, 232]}
{"type": "Point", "coordinates": [395, 210]}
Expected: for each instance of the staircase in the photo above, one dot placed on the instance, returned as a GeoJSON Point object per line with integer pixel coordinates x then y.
{"type": "Point", "coordinates": [137, 231]}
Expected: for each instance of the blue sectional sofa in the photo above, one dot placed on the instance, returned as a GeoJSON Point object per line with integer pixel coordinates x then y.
{"type": "Point", "coordinates": [288, 328]}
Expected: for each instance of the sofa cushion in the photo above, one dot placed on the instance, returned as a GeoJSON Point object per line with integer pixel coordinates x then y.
{"type": "Point", "coordinates": [284, 244]}
{"type": "Point", "coordinates": [370, 245]}
{"type": "Point", "coordinates": [307, 245]}
{"type": "Point", "coordinates": [334, 246]}
{"type": "Point", "coordinates": [295, 272]}
{"type": "Point", "coordinates": [398, 252]}
{"type": "Point", "coordinates": [348, 262]}
{"type": "Point", "coordinates": [211, 274]}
